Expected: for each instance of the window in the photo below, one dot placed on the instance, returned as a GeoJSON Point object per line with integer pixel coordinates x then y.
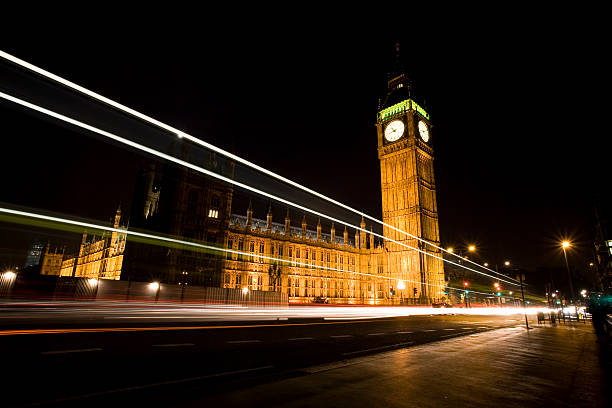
{"type": "Point", "coordinates": [214, 202]}
{"type": "Point", "coordinates": [297, 252]}
{"type": "Point", "coordinates": [213, 213]}
{"type": "Point", "coordinates": [230, 245]}
{"type": "Point", "coordinates": [192, 201]}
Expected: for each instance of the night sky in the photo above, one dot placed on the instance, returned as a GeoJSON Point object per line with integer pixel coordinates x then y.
{"type": "Point", "coordinates": [520, 149]}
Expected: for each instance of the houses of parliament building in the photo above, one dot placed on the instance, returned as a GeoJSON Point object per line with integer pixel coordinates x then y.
{"type": "Point", "coordinates": [304, 261]}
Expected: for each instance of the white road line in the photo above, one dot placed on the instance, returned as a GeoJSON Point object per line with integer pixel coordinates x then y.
{"type": "Point", "coordinates": [342, 336]}
{"type": "Point", "coordinates": [375, 334]}
{"type": "Point", "coordinates": [173, 345]}
{"type": "Point", "coordinates": [404, 332]}
{"type": "Point", "coordinates": [466, 328]}
{"type": "Point", "coordinates": [301, 338]}
{"type": "Point", "coordinates": [482, 327]}
{"type": "Point", "coordinates": [153, 385]}
{"type": "Point", "coordinates": [378, 348]}
{"type": "Point", "coordinates": [451, 335]}
{"type": "Point", "coordinates": [71, 351]}
{"type": "Point", "coordinates": [243, 341]}
{"type": "Point", "coordinates": [429, 330]}
{"type": "Point", "coordinates": [448, 329]}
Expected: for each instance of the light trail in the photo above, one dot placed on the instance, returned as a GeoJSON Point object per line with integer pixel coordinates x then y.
{"type": "Point", "coordinates": [216, 149]}
{"type": "Point", "coordinates": [330, 316]}
{"type": "Point", "coordinates": [204, 247]}
{"type": "Point", "coordinates": [165, 156]}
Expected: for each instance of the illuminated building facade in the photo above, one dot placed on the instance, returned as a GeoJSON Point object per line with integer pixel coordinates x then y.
{"type": "Point", "coordinates": [98, 257]}
{"type": "Point", "coordinates": [304, 263]}
{"type": "Point", "coordinates": [51, 260]}
{"type": "Point", "coordinates": [408, 191]}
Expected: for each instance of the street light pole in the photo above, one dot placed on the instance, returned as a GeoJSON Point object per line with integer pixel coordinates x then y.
{"type": "Point", "coordinates": [523, 295]}
{"type": "Point", "coordinates": [564, 245]}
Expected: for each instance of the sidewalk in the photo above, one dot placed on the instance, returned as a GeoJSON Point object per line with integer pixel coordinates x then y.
{"type": "Point", "coordinates": [556, 366]}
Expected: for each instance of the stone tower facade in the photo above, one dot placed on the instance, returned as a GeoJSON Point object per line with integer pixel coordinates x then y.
{"type": "Point", "coordinates": [408, 189]}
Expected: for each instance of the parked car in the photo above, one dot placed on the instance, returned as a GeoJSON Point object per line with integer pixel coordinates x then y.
{"type": "Point", "coordinates": [442, 305]}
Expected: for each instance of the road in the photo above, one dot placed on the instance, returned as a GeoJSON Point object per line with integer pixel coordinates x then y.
{"type": "Point", "coordinates": [84, 353]}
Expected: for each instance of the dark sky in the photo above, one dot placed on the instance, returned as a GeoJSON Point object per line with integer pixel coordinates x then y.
{"type": "Point", "coordinates": [520, 146]}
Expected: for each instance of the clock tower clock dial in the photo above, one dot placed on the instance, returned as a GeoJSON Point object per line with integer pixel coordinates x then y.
{"type": "Point", "coordinates": [424, 131]}
{"type": "Point", "coordinates": [409, 194]}
{"type": "Point", "coordinates": [394, 130]}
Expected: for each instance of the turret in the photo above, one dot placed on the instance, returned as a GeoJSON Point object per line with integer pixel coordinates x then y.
{"type": "Point", "coordinates": [249, 221]}
{"type": "Point", "coordinates": [362, 234]}
{"type": "Point", "coordinates": [304, 227]}
{"type": "Point", "coordinates": [319, 230]}
{"type": "Point", "coordinates": [333, 234]}
{"type": "Point", "coordinates": [345, 236]}
{"type": "Point", "coordinates": [269, 220]}
{"type": "Point", "coordinates": [287, 224]}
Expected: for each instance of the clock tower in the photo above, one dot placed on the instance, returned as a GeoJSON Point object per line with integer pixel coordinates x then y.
{"type": "Point", "coordinates": [409, 193]}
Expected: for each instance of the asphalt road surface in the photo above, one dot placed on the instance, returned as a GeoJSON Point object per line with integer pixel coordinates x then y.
{"type": "Point", "coordinates": [74, 356]}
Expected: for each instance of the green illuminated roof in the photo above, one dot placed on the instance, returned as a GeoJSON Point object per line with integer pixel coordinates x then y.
{"type": "Point", "coordinates": [403, 106]}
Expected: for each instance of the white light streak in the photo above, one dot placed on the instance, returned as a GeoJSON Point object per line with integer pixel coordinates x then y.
{"type": "Point", "coordinates": [184, 135]}
{"type": "Point", "coordinates": [155, 285]}
{"type": "Point", "coordinates": [215, 175]}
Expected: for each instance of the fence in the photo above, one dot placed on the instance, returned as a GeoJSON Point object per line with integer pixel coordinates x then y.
{"type": "Point", "coordinates": [71, 288]}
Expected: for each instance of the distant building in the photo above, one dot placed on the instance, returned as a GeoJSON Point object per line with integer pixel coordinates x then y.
{"type": "Point", "coordinates": [51, 260]}
{"type": "Point", "coordinates": [98, 257]}
{"type": "Point", "coordinates": [602, 247]}
{"type": "Point", "coordinates": [34, 253]}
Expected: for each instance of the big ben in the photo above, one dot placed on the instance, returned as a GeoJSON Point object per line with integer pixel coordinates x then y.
{"type": "Point", "coordinates": [408, 189]}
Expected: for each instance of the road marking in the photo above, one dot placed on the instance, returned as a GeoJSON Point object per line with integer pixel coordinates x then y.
{"type": "Point", "coordinates": [378, 348]}
{"type": "Point", "coordinates": [243, 341]}
{"type": "Point", "coordinates": [429, 330]}
{"type": "Point", "coordinates": [341, 336]}
{"type": "Point", "coordinates": [375, 334]}
{"type": "Point", "coordinates": [451, 335]}
{"type": "Point", "coordinates": [173, 345]}
{"type": "Point", "coordinates": [482, 327]}
{"type": "Point", "coordinates": [301, 338]}
{"type": "Point", "coordinates": [448, 329]}
{"type": "Point", "coordinates": [404, 332]}
{"type": "Point", "coordinates": [140, 387]}
{"type": "Point", "coordinates": [466, 328]}
{"type": "Point", "coordinates": [71, 351]}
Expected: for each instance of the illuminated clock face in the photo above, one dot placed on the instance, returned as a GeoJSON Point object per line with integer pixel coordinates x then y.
{"type": "Point", "coordinates": [394, 130]}
{"type": "Point", "coordinates": [424, 131]}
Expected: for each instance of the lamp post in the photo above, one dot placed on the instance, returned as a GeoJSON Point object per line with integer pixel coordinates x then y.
{"type": "Point", "coordinates": [520, 275]}
{"type": "Point", "coordinates": [565, 245]}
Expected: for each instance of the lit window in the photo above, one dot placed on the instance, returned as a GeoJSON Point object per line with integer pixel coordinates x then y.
{"type": "Point", "coordinates": [213, 213]}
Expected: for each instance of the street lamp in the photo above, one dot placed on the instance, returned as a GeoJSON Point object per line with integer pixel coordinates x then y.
{"type": "Point", "coordinates": [472, 248]}
{"type": "Point", "coordinates": [565, 245]}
